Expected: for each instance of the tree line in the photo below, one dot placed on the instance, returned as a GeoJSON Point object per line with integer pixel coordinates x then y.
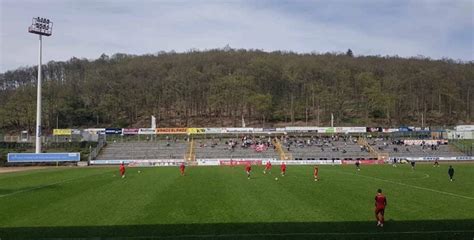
{"type": "Point", "coordinates": [219, 87]}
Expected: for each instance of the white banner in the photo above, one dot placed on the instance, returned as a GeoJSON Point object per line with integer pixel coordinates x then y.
{"type": "Point", "coordinates": [239, 130]}
{"type": "Point", "coordinates": [351, 129]}
{"type": "Point", "coordinates": [464, 128]}
{"type": "Point", "coordinates": [146, 131]}
{"type": "Point", "coordinates": [304, 162]}
{"type": "Point", "coordinates": [426, 142]}
{"type": "Point", "coordinates": [459, 158]}
{"type": "Point", "coordinates": [208, 162]}
{"type": "Point", "coordinates": [95, 130]}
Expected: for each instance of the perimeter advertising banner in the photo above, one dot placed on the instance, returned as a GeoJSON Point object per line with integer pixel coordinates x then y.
{"type": "Point", "coordinates": [43, 157]}
{"type": "Point", "coordinates": [239, 162]}
{"type": "Point", "coordinates": [171, 130]}
{"type": "Point", "coordinates": [302, 129]}
{"type": "Point", "coordinates": [113, 131]}
{"type": "Point", "coordinates": [95, 130]}
{"type": "Point", "coordinates": [365, 162]}
{"type": "Point", "coordinates": [239, 130]}
{"type": "Point", "coordinates": [215, 130]}
{"type": "Point", "coordinates": [130, 131]}
{"type": "Point", "coordinates": [196, 130]}
{"type": "Point", "coordinates": [146, 131]}
{"type": "Point", "coordinates": [304, 162]}
{"type": "Point", "coordinates": [62, 132]}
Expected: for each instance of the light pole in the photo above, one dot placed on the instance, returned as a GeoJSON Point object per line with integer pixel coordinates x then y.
{"type": "Point", "coordinates": [42, 27]}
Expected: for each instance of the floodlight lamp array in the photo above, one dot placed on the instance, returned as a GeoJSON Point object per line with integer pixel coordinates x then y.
{"type": "Point", "coordinates": [41, 26]}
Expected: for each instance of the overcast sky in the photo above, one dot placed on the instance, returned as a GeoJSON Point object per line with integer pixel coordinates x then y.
{"type": "Point", "coordinates": [87, 28]}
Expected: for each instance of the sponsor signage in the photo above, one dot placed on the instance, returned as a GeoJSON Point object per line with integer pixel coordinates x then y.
{"type": "Point", "coordinates": [304, 162]}
{"type": "Point", "coordinates": [459, 158]}
{"type": "Point", "coordinates": [426, 142]}
{"type": "Point", "coordinates": [113, 131]}
{"type": "Point", "coordinates": [95, 130]}
{"type": "Point", "coordinates": [109, 162]}
{"type": "Point", "coordinates": [146, 131]}
{"type": "Point", "coordinates": [374, 129]}
{"type": "Point", "coordinates": [130, 131]}
{"type": "Point", "coordinates": [365, 162]}
{"type": "Point", "coordinates": [208, 162]}
{"type": "Point", "coordinates": [239, 162]}
{"type": "Point", "coordinates": [301, 129]}
{"type": "Point", "coordinates": [171, 130]}
{"type": "Point", "coordinates": [43, 157]}
{"type": "Point", "coordinates": [214, 130]}
{"type": "Point", "coordinates": [351, 129]}
{"type": "Point", "coordinates": [329, 130]}
{"type": "Point", "coordinates": [464, 128]}
{"type": "Point", "coordinates": [155, 163]}
{"type": "Point", "coordinates": [196, 130]}
{"type": "Point", "coordinates": [140, 163]}
{"type": "Point", "coordinates": [62, 132]}
{"type": "Point", "coordinates": [239, 130]}
{"type": "Point", "coordinates": [75, 131]}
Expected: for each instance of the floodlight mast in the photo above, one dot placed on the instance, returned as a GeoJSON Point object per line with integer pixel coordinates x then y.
{"type": "Point", "coordinates": [42, 27]}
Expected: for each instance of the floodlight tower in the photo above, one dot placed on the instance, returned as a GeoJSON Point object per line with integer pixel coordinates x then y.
{"type": "Point", "coordinates": [42, 27]}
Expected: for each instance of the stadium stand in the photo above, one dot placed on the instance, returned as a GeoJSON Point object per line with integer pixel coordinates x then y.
{"type": "Point", "coordinates": [300, 148]}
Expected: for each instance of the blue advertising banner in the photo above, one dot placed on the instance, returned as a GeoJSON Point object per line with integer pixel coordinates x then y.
{"type": "Point", "coordinates": [113, 131]}
{"type": "Point", "coordinates": [44, 157]}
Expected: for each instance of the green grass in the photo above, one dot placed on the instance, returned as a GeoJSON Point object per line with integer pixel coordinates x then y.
{"type": "Point", "coordinates": [221, 203]}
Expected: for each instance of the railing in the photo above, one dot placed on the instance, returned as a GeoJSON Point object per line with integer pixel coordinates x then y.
{"type": "Point", "coordinates": [465, 146]}
{"type": "Point", "coordinates": [372, 151]}
{"type": "Point", "coordinates": [95, 152]}
{"type": "Point", "coordinates": [190, 155]}
{"type": "Point", "coordinates": [281, 152]}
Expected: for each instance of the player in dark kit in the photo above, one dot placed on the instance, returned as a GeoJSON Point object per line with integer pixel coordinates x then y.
{"type": "Point", "coordinates": [436, 164]}
{"type": "Point", "coordinates": [122, 170]}
{"type": "Point", "coordinates": [358, 165]}
{"type": "Point", "coordinates": [283, 169]}
{"type": "Point", "coordinates": [451, 173]}
{"type": "Point", "coordinates": [182, 167]}
{"type": "Point", "coordinates": [412, 165]}
{"type": "Point", "coordinates": [248, 169]}
{"type": "Point", "coordinates": [268, 167]}
{"type": "Point", "coordinates": [380, 204]}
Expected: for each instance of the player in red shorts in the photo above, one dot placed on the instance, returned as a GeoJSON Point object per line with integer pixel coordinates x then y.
{"type": "Point", "coordinates": [268, 167]}
{"type": "Point", "coordinates": [283, 169]}
{"type": "Point", "coordinates": [122, 170]}
{"type": "Point", "coordinates": [248, 169]}
{"type": "Point", "coordinates": [181, 168]}
{"type": "Point", "coordinates": [380, 204]}
{"type": "Point", "coordinates": [315, 173]}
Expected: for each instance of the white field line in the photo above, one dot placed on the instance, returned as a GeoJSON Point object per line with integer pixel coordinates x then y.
{"type": "Point", "coordinates": [412, 186]}
{"type": "Point", "coordinates": [47, 185]}
{"type": "Point", "coordinates": [244, 235]}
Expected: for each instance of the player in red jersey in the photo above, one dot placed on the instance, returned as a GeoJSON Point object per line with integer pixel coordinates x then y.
{"type": "Point", "coordinates": [283, 169]}
{"type": "Point", "coordinates": [315, 173]}
{"type": "Point", "coordinates": [181, 168]}
{"type": "Point", "coordinates": [268, 167]}
{"type": "Point", "coordinates": [248, 169]}
{"type": "Point", "coordinates": [122, 170]}
{"type": "Point", "coordinates": [380, 204]}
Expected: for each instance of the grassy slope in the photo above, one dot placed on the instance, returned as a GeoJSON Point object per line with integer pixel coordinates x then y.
{"type": "Point", "coordinates": [92, 202]}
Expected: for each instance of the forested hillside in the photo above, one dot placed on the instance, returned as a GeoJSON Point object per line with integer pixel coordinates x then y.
{"type": "Point", "coordinates": [218, 87]}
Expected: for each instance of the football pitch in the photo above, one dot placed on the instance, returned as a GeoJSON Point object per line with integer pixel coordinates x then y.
{"type": "Point", "coordinates": [221, 203]}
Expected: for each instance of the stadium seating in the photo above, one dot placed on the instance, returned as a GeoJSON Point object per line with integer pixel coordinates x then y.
{"type": "Point", "coordinates": [300, 148]}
